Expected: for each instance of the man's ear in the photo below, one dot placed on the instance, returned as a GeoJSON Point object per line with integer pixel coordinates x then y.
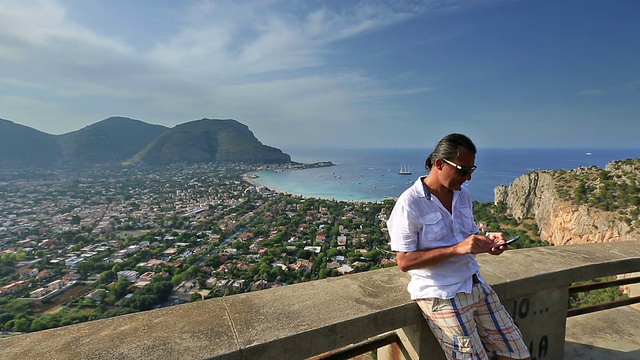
{"type": "Point", "coordinates": [438, 164]}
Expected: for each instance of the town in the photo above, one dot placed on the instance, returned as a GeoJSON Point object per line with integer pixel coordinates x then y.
{"type": "Point", "coordinates": [83, 244]}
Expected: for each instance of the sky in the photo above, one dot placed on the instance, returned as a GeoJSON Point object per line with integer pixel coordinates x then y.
{"type": "Point", "coordinates": [332, 74]}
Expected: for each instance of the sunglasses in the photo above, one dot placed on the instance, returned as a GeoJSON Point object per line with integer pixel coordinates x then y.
{"type": "Point", "coordinates": [464, 171]}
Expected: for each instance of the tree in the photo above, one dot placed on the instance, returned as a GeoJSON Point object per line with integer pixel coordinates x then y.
{"type": "Point", "coordinates": [157, 278]}
{"type": "Point", "coordinates": [21, 325]}
{"type": "Point", "coordinates": [332, 253]}
{"type": "Point", "coordinates": [120, 288]}
{"type": "Point", "coordinates": [580, 193]}
{"type": "Point", "coordinates": [106, 277]}
{"type": "Point", "coordinates": [193, 271]}
{"type": "Point", "coordinates": [85, 267]}
{"type": "Point", "coordinates": [213, 261]}
{"type": "Point", "coordinates": [79, 238]}
{"type": "Point", "coordinates": [8, 259]}
{"type": "Point", "coordinates": [38, 325]}
{"type": "Point", "coordinates": [374, 255]}
{"type": "Point", "coordinates": [177, 279]}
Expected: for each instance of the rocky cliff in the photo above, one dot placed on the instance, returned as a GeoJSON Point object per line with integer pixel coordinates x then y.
{"type": "Point", "coordinates": [578, 206]}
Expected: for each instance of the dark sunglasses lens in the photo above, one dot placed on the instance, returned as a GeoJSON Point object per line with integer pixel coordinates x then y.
{"type": "Point", "coordinates": [466, 171]}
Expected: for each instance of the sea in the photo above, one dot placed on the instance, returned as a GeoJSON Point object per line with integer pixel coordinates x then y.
{"type": "Point", "coordinates": [373, 174]}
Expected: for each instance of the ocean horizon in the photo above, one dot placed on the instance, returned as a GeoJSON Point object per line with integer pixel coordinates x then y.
{"type": "Point", "coordinates": [373, 174]}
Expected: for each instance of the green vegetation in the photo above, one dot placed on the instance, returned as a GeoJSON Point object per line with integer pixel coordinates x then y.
{"type": "Point", "coordinates": [17, 314]}
{"type": "Point", "coordinates": [615, 189]}
{"type": "Point", "coordinates": [496, 218]}
{"type": "Point", "coordinates": [240, 239]}
{"type": "Point", "coordinates": [594, 297]}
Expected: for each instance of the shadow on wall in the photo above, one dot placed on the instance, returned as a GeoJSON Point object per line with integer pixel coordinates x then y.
{"type": "Point", "coordinates": [574, 350]}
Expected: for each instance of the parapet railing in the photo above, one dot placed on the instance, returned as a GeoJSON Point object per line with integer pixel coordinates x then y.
{"type": "Point", "coordinates": [315, 318]}
{"type": "Point", "coordinates": [391, 338]}
{"type": "Point", "coordinates": [605, 305]}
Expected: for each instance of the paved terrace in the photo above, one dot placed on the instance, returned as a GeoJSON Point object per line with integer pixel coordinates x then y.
{"type": "Point", "coordinates": [308, 319]}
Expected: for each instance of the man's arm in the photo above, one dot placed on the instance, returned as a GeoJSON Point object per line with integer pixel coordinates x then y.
{"type": "Point", "coordinates": [474, 244]}
{"type": "Point", "coordinates": [423, 258]}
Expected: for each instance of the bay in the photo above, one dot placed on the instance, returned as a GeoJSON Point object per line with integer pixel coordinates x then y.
{"type": "Point", "coordinates": [372, 174]}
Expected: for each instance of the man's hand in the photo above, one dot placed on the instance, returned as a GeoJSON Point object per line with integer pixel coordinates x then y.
{"type": "Point", "coordinates": [491, 243]}
{"type": "Point", "coordinates": [499, 238]}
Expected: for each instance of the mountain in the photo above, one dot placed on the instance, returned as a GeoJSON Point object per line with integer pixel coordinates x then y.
{"type": "Point", "coordinates": [112, 140]}
{"type": "Point", "coordinates": [578, 206]}
{"type": "Point", "coordinates": [209, 140]}
{"type": "Point", "coordinates": [120, 140]}
{"type": "Point", "coordinates": [23, 146]}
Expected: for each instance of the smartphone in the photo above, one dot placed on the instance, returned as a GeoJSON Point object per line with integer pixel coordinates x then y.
{"type": "Point", "coordinates": [515, 238]}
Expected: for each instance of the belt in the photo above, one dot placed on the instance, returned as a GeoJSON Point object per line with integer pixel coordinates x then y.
{"type": "Point", "coordinates": [474, 279]}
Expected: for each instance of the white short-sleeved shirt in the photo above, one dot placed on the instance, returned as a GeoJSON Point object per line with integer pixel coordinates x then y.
{"type": "Point", "coordinates": [419, 222]}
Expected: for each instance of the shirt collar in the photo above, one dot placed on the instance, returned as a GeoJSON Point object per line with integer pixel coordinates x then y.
{"type": "Point", "coordinates": [423, 190]}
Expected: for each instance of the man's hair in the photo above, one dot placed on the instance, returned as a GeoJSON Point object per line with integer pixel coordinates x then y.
{"type": "Point", "coordinates": [448, 148]}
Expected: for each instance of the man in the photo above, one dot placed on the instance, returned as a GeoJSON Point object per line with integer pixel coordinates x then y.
{"type": "Point", "coordinates": [436, 239]}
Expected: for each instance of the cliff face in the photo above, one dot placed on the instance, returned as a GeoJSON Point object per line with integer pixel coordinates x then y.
{"type": "Point", "coordinates": [560, 221]}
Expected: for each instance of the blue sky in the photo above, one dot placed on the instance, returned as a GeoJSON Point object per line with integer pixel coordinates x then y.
{"type": "Point", "coordinates": [338, 74]}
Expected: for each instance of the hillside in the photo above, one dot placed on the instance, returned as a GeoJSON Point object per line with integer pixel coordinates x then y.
{"type": "Point", "coordinates": [209, 140]}
{"type": "Point", "coordinates": [120, 140]}
{"type": "Point", "coordinates": [578, 206]}
{"type": "Point", "coordinates": [23, 146]}
{"type": "Point", "coordinates": [112, 140]}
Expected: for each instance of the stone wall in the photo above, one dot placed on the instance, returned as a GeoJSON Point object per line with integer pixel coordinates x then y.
{"type": "Point", "coordinates": [304, 320]}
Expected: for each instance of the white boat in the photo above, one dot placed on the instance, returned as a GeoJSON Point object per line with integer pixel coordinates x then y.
{"type": "Point", "coordinates": [404, 170]}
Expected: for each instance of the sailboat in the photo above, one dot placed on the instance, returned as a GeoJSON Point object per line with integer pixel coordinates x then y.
{"type": "Point", "coordinates": [404, 170]}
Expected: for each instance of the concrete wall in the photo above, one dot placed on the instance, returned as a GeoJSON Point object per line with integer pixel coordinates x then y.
{"type": "Point", "coordinates": [303, 320]}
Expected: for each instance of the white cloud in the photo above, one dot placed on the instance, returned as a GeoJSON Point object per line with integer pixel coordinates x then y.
{"type": "Point", "coordinates": [30, 24]}
{"type": "Point", "coordinates": [220, 45]}
{"type": "Point", "coordinates": [235, 39]}
{"type": "Point", "coordinates": [278, 66]}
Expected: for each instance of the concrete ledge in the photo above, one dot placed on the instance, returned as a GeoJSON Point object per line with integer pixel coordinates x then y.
{"type": "Point", "coordinates": [303, 320]}
{"type": "Point", "coordinates": [610, 334]}
{"type": "Point", "coordinates": [516, 273]}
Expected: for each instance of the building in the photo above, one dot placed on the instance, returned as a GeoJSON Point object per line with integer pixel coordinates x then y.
{"type": "Point", "coordinates": [38, 293]}
{"type": "Point", "coordinates": [95, 295]}
{"type": "Point", "coordinates": [13, 287]}
{"type": "Point", "coordinates": [130, 275]}
{"type": "Point", "coordinates": [28, 273]}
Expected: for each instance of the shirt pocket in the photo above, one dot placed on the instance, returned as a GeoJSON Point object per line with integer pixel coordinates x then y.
{"type": "Point", "coordinates": [433, 227]}
{"type": "Point", "coordinates": [466, 221]}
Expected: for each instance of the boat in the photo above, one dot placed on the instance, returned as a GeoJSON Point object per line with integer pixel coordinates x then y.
{"type": "Point", "coordinates": [404, 170]}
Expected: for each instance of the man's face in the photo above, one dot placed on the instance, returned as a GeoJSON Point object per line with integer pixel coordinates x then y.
{"type": "Point", "coordinates": [452, 179]}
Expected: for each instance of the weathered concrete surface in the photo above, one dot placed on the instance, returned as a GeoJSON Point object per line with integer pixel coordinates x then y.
{"type": "Point", "coordinates": [299, 320]}
{"type": "Point", "coordinates": [303, 320]}
{"type": "Point", "coordinates": [611, 334]}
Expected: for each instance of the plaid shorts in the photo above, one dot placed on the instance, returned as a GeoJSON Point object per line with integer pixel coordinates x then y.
{"type": "Point", "coordinates": [470, 325]}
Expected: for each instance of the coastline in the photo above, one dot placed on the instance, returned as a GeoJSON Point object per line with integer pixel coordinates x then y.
{"type": "Point", "coordinates": [252, 178]}
{"type": "Point", "coordinates": [371, 175]}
